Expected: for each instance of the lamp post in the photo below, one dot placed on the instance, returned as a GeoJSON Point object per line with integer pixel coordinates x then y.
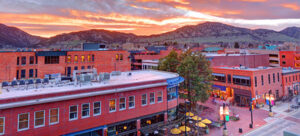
{"type": "Point", "coordinates": [251, 109]}
{"type": "Point", "coordinates": [224, 111]}
{"type": "Point", "coordinates": [185, 116]}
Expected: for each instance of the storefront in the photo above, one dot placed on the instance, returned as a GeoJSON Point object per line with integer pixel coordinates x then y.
{"type": "Point", "coordinates": [98, 131]}
{"type": "Point", "coordinates": [151, 122]}
{"type": "Point", "coordinates": [242, 97]}
{"type": "Point", "coordinates": [126, 128]}
{"type": "Point", "coordinates": [221, 92]}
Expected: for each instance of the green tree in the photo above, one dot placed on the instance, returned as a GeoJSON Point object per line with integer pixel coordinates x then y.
{"type": "Point", "coordinates": [169, 63]}
{"type": "Point", "coordinates": [195, 69]}
{"type": "Point", "coordinates": [236, 45]}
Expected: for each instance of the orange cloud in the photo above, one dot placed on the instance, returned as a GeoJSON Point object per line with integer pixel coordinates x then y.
{"type": "Point", "coordinates": [146, 8]}
{"type": "Point", "coordinates": [176, 1]}
{"type": "Point", "coordinates": [254, 0]}
{"type": "Point", "coordinates": [291, 6]}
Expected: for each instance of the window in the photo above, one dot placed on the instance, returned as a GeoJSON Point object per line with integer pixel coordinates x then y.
{"type": "Point", "coordinates": [273, 77]}
{"type": "Point", "coordinates": [17, 75]}
{"type": "Point", "coordinates": [286, 79]}
{"type": "Point", "coordinates": [39, 119]}
{"type": "Point", "coordinates": [2, 125]}
{"type": "Point", "coordinates": [76, 58]}
{"type": "Point", "coordinates": [159, 96]}
{"type": "Point", "coordinates": [82, 67]}
{"type": "Point", "coordinates": [97, 108]}
{"type": "Point", "coordinates": [229, 78]}
{"type": "Point", "coordinates": [53, 116]}
{"type": "Point", "coordinates": [112, 105]}
{"type": "Point", "coordinates": [117, 56]}
{"type": "Point", "coordinates": [262, 80]}
{"type": "Point", "coordinates": [122, 104]}
{"type": "Point", "coordinates": [121, 56]}
{"type": "Point", "coordinates": [93, 57]}
{"type": "Point", "coordinates": [283, 56]}
{"type": "Point", "coordinates": [23, 121]}
{"type": "Point", "coordinates": [23, 73]}
{"type": "Point", "coordinates": [131, 102]}
{"type": "Point", "coordinates": [283, 62]}
{"type": "Point", "coordinates": [31, 60]}
{"type": "Point", "coordinates": [89, 67]}
{"type": "Point", "coordinates": [242, 80]}
{"type": "Point", "coordinates": [269, 78]}
{"type": "Point", "coordinates": [36, 59]}
{"type": "Point", "coordinates": [144, 99]}
{"type": "Point", "coordinates": [36, 73]}
{"type": "Point", "coordinates": [30, 73]}
{"type": "Point", "coordinates": [18, 60]}
{"type": "Point", "coordinates": [172, 93]}
{"type": "Point", "coordinates": [23, 61]}
{"type": "Point", "coordinates": [152, 98]}
{"type": "Point", "coordinates": [289, 79]}
{"type": "Point", "coordinates": [296, 77]}
{"type": "Point", "coordinates": [293, 78]}
{"type": "Point", "coordinates": [51, 59]}
{"type": "Point", "coordinates": [85, 110]}
{"type": "Point", "coordinates": [89, 58]}
{"type": "Point", "coordinates": [73, 112]}
{"type": "Point", "coordinates": [82, 58]}
{"type": "Point", "coordinates": [69, 58]}
{"type": "Point", "coordinates": [255, 81]}
{"type": "Point", "coordinates": [278, 77]}
{"type": "Point", "coordinates": [219, 77]}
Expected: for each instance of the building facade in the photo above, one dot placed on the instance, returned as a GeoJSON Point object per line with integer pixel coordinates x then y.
{"type": "Point", "coordinates": [290, 81]}
{"type": "Point", "coordinates": [37, 64]}
{"type": "Point", "coordinates": [123, 105]}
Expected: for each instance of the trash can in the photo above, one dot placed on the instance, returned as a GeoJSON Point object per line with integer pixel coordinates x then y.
{"type": "Point", "coordinates": [240, 130]}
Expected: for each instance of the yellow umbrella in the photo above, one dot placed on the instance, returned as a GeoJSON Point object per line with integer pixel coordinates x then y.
{"type": "Point", "coordinates": [183, 128]}
{"type": "Point", "coordinates": [206, 121]}
{"type": "Point", "coordinates": [196, 118]}
{"type": "Point", "coordinates": [200, 124]}
{"type": "Point", "coordinates": [189, 114]}
{"type": "Point", "coordinates": [175, 131]}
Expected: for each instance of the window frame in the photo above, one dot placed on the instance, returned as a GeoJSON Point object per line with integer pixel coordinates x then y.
{"type": "Point", "coordinates": [23, 58]}
{"type": "Point", "coordinates": [3, 126]}
{"type": "Point", "coordinates": [122, 103]}
{"type": "Point", "coordinates": [50, 116]}
{"type": "Point", "coordinates": [35, 126]}
{"type": "Point", "coordinates": [31, 59]}
{"type": "Point", "coordinates": [145, 100]}
{"type": "Point", "coordinates": [160, 96]}
{"type": "Point", "coordinates": [153, 98]}
{"type": "Point", "coordinates": [70, 113]}
{"type": "Point", "coordinates": [131, 101]}
{"type": "Point", "coordinates": [31, 73]}
{"type": "Point", "coordinates": [28, 122]}
{"type": "Point", "coordinates": [94, 109]}
{"type": "Point", "coordinates": [110, 111]}
{"type": "Point", "coordinates": [89, 111]}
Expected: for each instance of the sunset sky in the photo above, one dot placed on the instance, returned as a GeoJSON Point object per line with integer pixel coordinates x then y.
{"type": "Point", "coordinates": [144, 17]}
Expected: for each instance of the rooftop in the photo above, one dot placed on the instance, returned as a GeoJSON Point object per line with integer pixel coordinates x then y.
{"type": "Point", "coordinates": [247, 69]}
{"type": "Point", "coordinates": [289, 70]}
{"type": "Point", "coordinates": [215, 54]}
{"type": "Point", "coordinates": [123, 78]}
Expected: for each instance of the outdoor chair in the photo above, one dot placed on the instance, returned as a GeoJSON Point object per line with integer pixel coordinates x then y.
{"type": "Point", "coordinates": [22, 83]}
{"type": "Point", "coordinates": [14, 83]}
{"type": "Point", "coordinates": [37, 82]}
{"type": "Point", "coordinates": [30, 82]}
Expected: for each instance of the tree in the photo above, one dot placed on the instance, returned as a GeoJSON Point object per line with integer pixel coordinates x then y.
{"type": "Point", "coordinates": [194, 68]}
{"type": "Point", "coordinates": [169, 63]}
{"type": "Point", "coordinates": [250, 45]}
{"type": "Point", "coordinates": [236, 45]}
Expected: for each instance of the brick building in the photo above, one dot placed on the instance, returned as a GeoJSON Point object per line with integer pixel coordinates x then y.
{"type": "Point", "coordinates": [123, 104]}
{"type": "Point", "coordinates": [37, 64]}
{"type": "Point", "coordinates": [242, 84]}
{"type": "Point", "coordinates": [290, 81]}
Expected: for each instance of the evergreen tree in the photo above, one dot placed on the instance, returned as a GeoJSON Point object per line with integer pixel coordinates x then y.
{"type": "Point", "coordinates": [169, 63]}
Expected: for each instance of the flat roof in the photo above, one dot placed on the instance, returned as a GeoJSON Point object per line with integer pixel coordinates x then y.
{"type": "Point", "coordinates": [223, 54]}
{"type": "Point", "coordinates": [246, 68]}
{"type": "Point", "coordinates": [136, 77]}
{"type": "Point", "coordinates": [289, 71]}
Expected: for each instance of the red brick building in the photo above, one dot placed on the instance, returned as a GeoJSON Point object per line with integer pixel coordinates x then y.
{"type": "Point", "coordinates": [290, 81]}
{"type": "Point", "coordinates": [241, 84]}
{"type": "Point", "coordinates": [37, 64]}
{"type": "Point", "coordinates": [124, 105]}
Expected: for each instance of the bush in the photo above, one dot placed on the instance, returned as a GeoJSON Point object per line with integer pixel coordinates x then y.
{"type": "Point", "coordinates": [233, 118]}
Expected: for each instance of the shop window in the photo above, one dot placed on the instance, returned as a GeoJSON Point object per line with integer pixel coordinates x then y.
{"type": "Point", "coordinates": [18, 60]}
{"type": "Point", "coordinates": [23, 73]}
{"type": "Point", "coordinates": [89, 58]}
{"type": "Point", "coordinates": [75, 58]}
{"type": "Point", "coordinates": [152, 120]}
{"type": "Point", "coordinates": [112, 105]}
{"type": "Point", "coordinates": [144, 99]}
{"type": "Point", "coordinates": [152, 98]}
{"type": "Point", "coordinates": [31, 60]}
{"type": "Point", "coordinates": [51, 59]}
{"type": "Point", "coordinates": [122, 104]}
{"type": "Point", "coordinates": [23, 60]}
{"type": "Point", "coordinates": [172, 93]}
{"type": "Point", "coordinates": [82, 58]}
{"type": "Point", "coordinates": [131, 102]}
{"type": "Point", "coordinates": [73, 113]}
{"type": "Point", "coordinates": [39, 119]}
{"type": "Point", "coordinates": [53, 116]}
{"type": "Point", "coordinates": [159, 96]}
{"type": "Point", "coordinates": [2, 125]}
{"type": "Point", "coordinates": [97, 108]}
{"type": "Point", "coordinates": [255, 81]}
{"type": "Point", "coordinates": [85, 110]}
{"type": "Point", "coordinates": [23, 121]}
{"type": "Point", "coordinates": [122, 129]}
{"type": "Point", "coordinates": [229, 78]}
{"type": "Point", "coordinates": [69, 58]}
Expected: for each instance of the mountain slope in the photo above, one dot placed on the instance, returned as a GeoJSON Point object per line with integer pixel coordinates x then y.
{"type": "Point", "coordinates": [292, 32]}
{"type": "Point", "coordinates": [12, 37]}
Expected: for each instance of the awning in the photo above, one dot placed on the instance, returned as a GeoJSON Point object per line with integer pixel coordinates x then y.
{"type": "Point", "coordinates": [217, 74]}
{"type": "Point", "coordinates": [174, 81]}
{"type": "Point", "coordinates": [241, 77]}
{"type": "Point", "coordinates": [222, 88]}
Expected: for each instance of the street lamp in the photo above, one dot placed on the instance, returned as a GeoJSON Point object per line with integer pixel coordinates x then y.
{"type": "Point", "coordinates": [270, 99]}
{"type": "Point", "coordinates": [251, 109]}
{"type": "Point", "coordinates": [185, 102]}
{"type": "Point", "coordinates": [224, 112]}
